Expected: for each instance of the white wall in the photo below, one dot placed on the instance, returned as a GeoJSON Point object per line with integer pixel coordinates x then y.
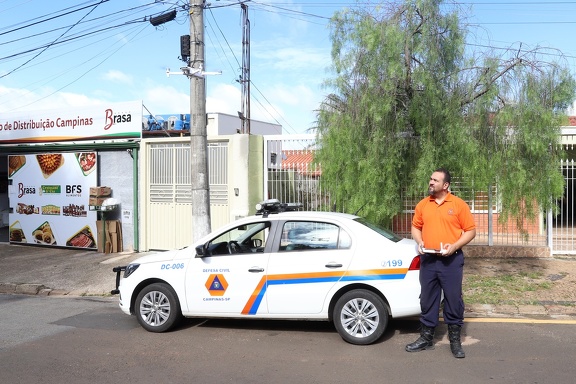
{"type": "Point", "coordinates": [223, 124]}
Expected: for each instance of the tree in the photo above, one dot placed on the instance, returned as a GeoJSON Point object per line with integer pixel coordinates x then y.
{"type": "Point", "coordinates": [408, 97]}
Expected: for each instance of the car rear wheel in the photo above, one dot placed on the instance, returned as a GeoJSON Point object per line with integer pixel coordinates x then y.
{"type": "Point", "coordinates": [360, 317]}
{"type": "Point", "coordinates": [157, 308]}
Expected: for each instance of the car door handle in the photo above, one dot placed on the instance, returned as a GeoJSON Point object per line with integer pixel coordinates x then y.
{"type": "Point", "coordinates": [256, 269]}
{"type": "Point", "coordinates": [333, 265]}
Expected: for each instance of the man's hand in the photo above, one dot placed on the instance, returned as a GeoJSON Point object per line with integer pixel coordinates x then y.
{"type": "Point", "coordinates": [420, 249]}
{"type": "Point", "coordinates": [448, 250]}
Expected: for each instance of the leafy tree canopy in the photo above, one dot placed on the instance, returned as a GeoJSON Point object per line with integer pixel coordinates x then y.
{"type": "Point", "coordinates": [408, 96]}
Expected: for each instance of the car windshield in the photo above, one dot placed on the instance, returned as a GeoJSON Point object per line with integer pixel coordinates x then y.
{"type": "Point", "coordinates": [247, 231]}
{"type": "Point", "coordinates": [384, 232]}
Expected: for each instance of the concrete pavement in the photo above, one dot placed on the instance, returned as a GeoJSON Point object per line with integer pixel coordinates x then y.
{"type": "Point", "coordinates": [55, 271]}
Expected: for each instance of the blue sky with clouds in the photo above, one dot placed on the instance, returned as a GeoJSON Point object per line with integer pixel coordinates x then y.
{"type": "Point", "coordinates": [66, 53]}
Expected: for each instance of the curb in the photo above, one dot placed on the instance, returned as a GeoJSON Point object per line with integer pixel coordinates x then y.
{"type": "Point", "coordinates": [30, 289]}
{"type": "Point", "coordinates": [545, 310]}
{"type": "Point", "coordinates": [23, 288]}
{"type": "Point", "coordinates": [564, 310]}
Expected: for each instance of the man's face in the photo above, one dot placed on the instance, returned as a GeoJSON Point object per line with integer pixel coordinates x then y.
{"type": "Point", "coordinates": [436, 184]}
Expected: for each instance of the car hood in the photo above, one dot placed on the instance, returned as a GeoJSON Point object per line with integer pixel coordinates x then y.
{"type": "Point", "coordinates": [159, 257]}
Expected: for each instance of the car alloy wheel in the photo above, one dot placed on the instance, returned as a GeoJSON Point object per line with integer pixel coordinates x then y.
{"type": "Point", "coordinates": [157, 308]}
{"type": "Point", "coordinates": [360, 317]}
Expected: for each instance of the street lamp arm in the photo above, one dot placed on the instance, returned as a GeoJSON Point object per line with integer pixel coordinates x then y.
{"type": "Point", "coordinates": [192, 72]}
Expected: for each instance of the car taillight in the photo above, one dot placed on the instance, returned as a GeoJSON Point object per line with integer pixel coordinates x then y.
{"type": "Point", "coordinates": [415, 264]}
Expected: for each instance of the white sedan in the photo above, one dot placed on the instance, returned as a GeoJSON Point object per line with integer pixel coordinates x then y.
{"type": "Point", "coordinates": [280, 264]}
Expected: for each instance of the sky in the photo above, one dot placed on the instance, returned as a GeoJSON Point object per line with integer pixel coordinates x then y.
{"type": "Point", "coordinates": [64, 53]}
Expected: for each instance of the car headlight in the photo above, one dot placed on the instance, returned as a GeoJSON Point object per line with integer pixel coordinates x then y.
{"type": "Point", "coordinates": [130, 269]}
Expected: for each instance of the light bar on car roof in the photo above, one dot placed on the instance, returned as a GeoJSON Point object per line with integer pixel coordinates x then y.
{"type": "Point", "coordinates": [266, 207]}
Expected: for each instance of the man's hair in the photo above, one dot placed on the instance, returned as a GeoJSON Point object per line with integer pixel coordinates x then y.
{"type": "Point", "coordinates": [447, 177]}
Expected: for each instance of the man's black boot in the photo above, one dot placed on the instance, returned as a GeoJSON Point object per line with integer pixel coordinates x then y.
{"type": "Point", "coordinates": [455, 343]}
{"type": "Point", "coordinates": [425, 341]}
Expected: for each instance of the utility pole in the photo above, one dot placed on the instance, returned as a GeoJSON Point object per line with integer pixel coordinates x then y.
{"type": "Point", "coordinates": [245, 76]}
{"type": "Point", "coordinates": [200, 193]}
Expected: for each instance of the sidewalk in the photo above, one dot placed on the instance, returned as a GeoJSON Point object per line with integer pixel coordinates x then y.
{"type": "Point", "coordinates": [57, 271]}
{"type": "Point", "coordinates": [54, 271]}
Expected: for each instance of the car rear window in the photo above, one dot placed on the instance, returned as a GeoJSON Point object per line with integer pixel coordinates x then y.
{"type": "Point", "coordinates": [384, 232]}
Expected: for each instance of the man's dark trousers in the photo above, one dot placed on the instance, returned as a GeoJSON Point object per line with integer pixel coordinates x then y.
{"type": "Point", "coordinates": [440, 273]}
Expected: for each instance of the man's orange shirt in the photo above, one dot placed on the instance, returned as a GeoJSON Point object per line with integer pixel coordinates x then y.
{"type": "Point", "coordinates": [442, 223]}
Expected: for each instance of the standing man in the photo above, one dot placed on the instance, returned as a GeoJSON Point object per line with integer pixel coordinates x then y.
{"type": "Point", "coordinates": [441, 226]}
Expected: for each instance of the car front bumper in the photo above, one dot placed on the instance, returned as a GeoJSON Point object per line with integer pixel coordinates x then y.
{"type": "Point", "coordinates": [123, 304]}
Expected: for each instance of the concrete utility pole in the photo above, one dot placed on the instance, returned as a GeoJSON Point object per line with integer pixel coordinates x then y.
{"type": "Point", "coordinates": [198, 134]}
{"type": "Point", "coordinates": [245, 76]}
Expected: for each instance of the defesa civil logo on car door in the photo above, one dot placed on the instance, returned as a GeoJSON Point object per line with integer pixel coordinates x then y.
{"type": "Point", "coordinates": [216, 284]}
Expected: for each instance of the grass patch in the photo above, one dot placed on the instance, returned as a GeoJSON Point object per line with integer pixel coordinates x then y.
{"type": "Point", "coordinates": [503, 289]}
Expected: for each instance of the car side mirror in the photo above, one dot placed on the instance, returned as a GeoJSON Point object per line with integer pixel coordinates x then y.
{"type": "Point", "coordinates": [203, 250]}
{"type": "Point", "coordinates": [256, 243]}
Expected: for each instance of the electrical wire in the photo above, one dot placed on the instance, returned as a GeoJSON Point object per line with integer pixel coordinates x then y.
{"type": "Point", "coordinates": [54, 42]}
{"type": "Point", "coordinates": [50, 18]}
{"type": "Point", "coordinates": [291, 9]}
{"type": "Point", "coordinates": [252, 83]}
{"type": "Point", "coordinates": [77, 78]}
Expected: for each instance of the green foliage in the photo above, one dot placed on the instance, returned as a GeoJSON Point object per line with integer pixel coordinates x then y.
{"type": "Point", "coordinates": [406, 99]}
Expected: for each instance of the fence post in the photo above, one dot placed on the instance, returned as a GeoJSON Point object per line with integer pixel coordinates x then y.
{"type": "Point", "coordinates": [549, 231]}
{"type": "Point", "coordinates": [265, 192]}
{"type": "Point", "coordinates": [490, 219]}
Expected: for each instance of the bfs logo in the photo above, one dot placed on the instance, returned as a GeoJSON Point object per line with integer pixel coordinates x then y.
{"type": "Point", "coordinates": [73, 190]}
{"type": "Point", "coordinates": [110, 118]}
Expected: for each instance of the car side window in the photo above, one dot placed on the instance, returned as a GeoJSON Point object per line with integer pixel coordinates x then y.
{"type": "Point", "coordinates": [311, 235]}
{"type": "Point", "coordinates": [247, 238]}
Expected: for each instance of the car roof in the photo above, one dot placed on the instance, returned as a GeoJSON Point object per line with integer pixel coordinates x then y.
{"type": "Point", "coordinates": [308, 215]}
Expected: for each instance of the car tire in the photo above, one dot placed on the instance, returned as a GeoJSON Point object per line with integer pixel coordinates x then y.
{"type": "Point", "coordinates": [157, 308]}
{"type": "Point", "coordinates": [360, 317]}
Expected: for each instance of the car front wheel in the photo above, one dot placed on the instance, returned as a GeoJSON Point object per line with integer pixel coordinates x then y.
{"type": "Point", "coordinates": [157, 308]}
{"type": "Point", "coordinates": [360, 317]}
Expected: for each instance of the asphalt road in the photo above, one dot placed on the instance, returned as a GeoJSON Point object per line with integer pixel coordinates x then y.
{"type": "Point", "coordinates": [88, 340]}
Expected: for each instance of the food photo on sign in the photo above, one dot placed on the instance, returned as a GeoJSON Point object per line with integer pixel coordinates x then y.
{"type": "Point", "coordinates": [15, 163]}
{"type": "Point", "coordinates": [87, 161]}
{"type": "Point", "coordinates": [49, 195]}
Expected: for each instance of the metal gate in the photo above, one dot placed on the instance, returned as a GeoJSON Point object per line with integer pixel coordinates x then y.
{"type": "Point", "coordinates": [166, 217]}
{"type": "Point", "coordinates": [563, 234]}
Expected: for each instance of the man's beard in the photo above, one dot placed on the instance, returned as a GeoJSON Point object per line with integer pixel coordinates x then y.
{"type": "Point", "coordinates": [431, 191]}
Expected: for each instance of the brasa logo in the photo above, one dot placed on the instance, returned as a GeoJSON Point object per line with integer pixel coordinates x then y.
{"type": "Point", "coordinates": [111, 118]}
{"type": "Point", "coordinates": [25, 190]}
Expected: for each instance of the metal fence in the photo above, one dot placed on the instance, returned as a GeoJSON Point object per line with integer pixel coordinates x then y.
{"type": "Point", "coordinates": [562, 233]}
{"type": "Point", "coordinates": [291, 175]}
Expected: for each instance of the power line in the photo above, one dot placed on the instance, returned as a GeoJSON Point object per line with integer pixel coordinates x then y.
{"type": "Point", "coordinates": [29, 36]}
{"type": "Point", "coordinates": [87, 33]}
{"type": "Point", "coordinates": [45, 46]}
{"type": "Point", "coordinates": [79, 77]}
{"type": "Point", "coordinates": [298, 10]}
{"type": "Point", "coordinates": [252, 83]}
{"type": "Point", "coordinates": [54, 42]}
{"type": "Point", "coordinates": [51, 18]}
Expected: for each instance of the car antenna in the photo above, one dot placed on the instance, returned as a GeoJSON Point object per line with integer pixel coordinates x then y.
{"type": "Point", "coordinates": [359, 209]}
